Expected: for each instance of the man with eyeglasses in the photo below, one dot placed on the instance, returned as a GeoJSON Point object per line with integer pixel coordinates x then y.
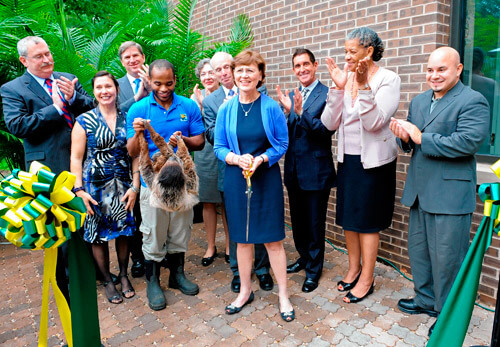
{"type": "Point", "coordinates": [40, 107]}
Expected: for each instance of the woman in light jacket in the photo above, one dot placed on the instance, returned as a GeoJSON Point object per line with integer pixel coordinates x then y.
{"type": "Point", "coordinates": [360, 106]}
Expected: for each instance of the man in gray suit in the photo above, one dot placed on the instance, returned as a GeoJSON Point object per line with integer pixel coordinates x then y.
{"type": "Point", "coordinates": [221, 63]}
{"type": "Point", "coordinates": [40, 107]}
{"type": "Point", "coordinates": [445, 128]}
{"type": "Point", "coordinates": [133, 87]}
{"type": "Point", "coordinates": [135, 84]}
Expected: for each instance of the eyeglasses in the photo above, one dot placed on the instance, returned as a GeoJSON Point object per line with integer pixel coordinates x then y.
{"type": "Point", "coordinates": [39, 57]}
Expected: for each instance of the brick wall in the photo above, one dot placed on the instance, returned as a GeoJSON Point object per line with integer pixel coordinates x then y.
{"type": "Point", "coordinates": [410, 29]}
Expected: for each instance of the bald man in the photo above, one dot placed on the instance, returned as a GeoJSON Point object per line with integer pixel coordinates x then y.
{"type": "Point", "coordinates": [445, 128]}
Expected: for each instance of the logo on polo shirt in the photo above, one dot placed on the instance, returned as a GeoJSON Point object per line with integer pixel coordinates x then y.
{"type": "Point", "coordinates": [184, 118]}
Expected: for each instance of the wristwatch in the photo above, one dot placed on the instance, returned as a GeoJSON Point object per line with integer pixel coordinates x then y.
{"type": "Point", "coordinates": [365, 87]}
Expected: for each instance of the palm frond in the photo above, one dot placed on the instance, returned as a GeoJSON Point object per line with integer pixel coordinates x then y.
{"type": "Point", "coordinates": [240, 37]}
{"type": "Point", "coordinates": [98, 50]}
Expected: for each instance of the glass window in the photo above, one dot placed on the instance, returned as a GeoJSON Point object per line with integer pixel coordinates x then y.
{"type": "Point", "coordinates": [481, 56]}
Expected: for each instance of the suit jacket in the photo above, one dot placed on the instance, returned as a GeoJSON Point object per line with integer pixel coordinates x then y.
{"type": "Point", "coordinates": [29, 114]}
{"type": "Point", "coordinates": [211, 106]}
{"type": "Point", "coordinates": [376, 107]}
{"type": "Point", "coordinates": [442, 171]}
{"type": "Point", "coordinates": [126, 95]}
{"type": "Point", "coordinates": [309, 154]}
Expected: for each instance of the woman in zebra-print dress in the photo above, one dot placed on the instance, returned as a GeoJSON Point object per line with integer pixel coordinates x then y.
{"type": "Point", "coordinates": [105, 182]}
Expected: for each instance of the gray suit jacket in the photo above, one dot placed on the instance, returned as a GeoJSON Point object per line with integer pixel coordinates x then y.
{"type": "Point", "coordinates": [211, 106]}
{"type": "Point", "coordinates": [29, 114]}
{"type": "Point", "coordinates": [442, 171]}
{"type": "Point", "coordinates": [126, 96]}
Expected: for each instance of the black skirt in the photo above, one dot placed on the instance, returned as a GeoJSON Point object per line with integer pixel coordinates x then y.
{"type": "Point", "coordinates": [365, 197]}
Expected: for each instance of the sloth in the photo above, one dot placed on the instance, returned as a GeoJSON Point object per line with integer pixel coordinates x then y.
{"type": "Point", "coordinates": [171, 177]}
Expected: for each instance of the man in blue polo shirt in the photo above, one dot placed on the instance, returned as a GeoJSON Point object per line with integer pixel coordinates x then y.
{"type": "Point", "coordinates": [164, 233]}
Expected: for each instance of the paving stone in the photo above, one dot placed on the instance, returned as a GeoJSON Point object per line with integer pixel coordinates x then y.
{"type": "Point", "coordinates": [345, 329]}
{"type": "Point", "coordinates": [399, 331]}
{"type": "Point", "coordinates": [217, 322]}
{"type": "Point", "coordinates": [319, 342]}
{"type": "Point", "coordinates": [330, 307]}
{"type": "Point", "coordinates": [371, 330]}
{"type": "Point", "coordinates": [225, 331]}
{"type": "Point", "coordinates": [347, 343]}
{"type": "Point", "coordinates": [319, 300]}
{"type": "Point", "coordinates": [378, 308]}
{"type": "Point", "coordinates": [358, 323]}
{"type": "Point", "coordinates": [322, 318]}
{"type": "Point", "coordinates": [360, 338]}
{"type": "Point", "coordinates": [387, 339]}
{"type": "Point", "coordinates": [415, 340]}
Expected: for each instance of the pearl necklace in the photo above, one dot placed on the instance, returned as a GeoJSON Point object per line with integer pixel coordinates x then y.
{"type": "Point", "coordinates": [354, 93]}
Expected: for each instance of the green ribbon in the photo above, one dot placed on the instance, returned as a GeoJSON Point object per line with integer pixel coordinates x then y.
{"type": "Point", "coordinates": [39, 211]}
{"type": "Point", "coordinates": [35, 204]}
{"type": "Point", "coordinates": [453, 322]}
{"type": "Point", "coordinates": [82, 284]}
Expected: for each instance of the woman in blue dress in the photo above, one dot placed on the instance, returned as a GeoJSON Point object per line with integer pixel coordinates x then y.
{"type": "Point", "coordinates": [104, 181]}
{"type": "Point", "coordinates": [251, 136]}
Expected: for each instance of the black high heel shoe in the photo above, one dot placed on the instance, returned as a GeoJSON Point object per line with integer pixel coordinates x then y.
{"type": "Point", "coordinates": [351, 299]}
{"type": "Point", "coordinates": [209, 260]}
{"type": "Point", "coordinates": [231, 309]}
{"type": "Point", "coordinates": [344, 287]}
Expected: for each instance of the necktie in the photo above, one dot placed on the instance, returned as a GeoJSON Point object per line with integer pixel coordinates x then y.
{"type": "Point", "coordinates": [230, 93]}
{"type": "Point", "coordinates": [304, 94]}
{"type": "Point", "coordinates": [64, 109]}
{"type": "Point", "coordinates": [137, 82]}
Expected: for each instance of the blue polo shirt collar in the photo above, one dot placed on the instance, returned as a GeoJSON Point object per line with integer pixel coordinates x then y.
{"type": "Point", "coordinates": [175, 101]}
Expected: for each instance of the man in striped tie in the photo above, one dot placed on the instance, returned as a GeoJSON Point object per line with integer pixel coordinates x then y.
{"type": "Point", "coordinates": [40, 107]}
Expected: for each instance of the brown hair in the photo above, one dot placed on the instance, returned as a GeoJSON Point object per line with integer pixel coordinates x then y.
{"type": "Point", "coordinates": [104, 73]}
{"type": "Point", "coordinates": [249, 57]}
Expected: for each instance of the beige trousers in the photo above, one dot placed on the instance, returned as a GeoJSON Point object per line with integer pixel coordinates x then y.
{"type": "Point", "coordinates": [163, 232]}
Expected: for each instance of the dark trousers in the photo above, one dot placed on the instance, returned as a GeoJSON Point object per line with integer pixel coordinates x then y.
{"type": "Point", "coordinates": [437, 245]}
{"type": "Point", "coordinates": [135, 241]}
{"type": "Point", "coordinates": [308, 214]}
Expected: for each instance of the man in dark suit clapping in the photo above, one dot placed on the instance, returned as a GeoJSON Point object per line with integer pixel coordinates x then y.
{"type": "Point", "coordinates": [309, 171]}
{"type": "Point", "coordinates": [40, 107]}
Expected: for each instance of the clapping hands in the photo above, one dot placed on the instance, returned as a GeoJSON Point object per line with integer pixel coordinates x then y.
{"type": "Point", "coordinates": [339, 77]}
